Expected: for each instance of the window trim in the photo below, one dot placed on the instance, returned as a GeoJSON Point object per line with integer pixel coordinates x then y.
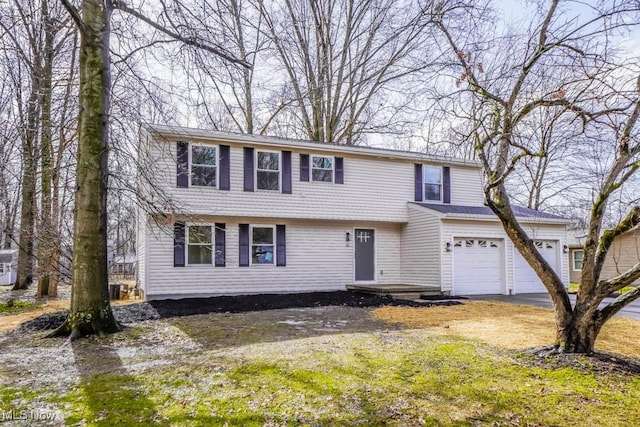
{"type": "Point", "coordinates": [217, 166]}
{"type": "Point", "coordinates": [187, 244]}
{"type": "Point", "coordinates": [573, 259]}
{"type": "Point", "coordinates": [255, 169]}
{"type": "Point", "coordinates": [424, 183]}
{"type": "Point", "coordinates": [251, 244]}
{"type": "Point", "coordinates": [333, 168]}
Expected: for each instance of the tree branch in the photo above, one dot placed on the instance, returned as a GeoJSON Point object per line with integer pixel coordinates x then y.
{"type": "Point", "coordinates": [75, 14]}
{"type": "Point", "coordinates": [191, 41]}
{"type": "Point", "coordinates": [616, 305]}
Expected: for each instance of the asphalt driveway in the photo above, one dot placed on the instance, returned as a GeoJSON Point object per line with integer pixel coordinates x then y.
{"type": "Point", "coordinates": [543, 300]}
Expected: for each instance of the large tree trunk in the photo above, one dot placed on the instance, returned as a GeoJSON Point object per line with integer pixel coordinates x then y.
{"type": "Point", "coordinates": [579, 336]}
{"type": "Point", "coordinates": [28, 192]}
{"type": "Point", "coordinates": [46, 158]}
{"type": "Point", "coordinates": [90, 311]}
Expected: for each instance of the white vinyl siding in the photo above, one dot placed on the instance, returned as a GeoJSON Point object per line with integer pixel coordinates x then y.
{"type": "Point", "coordinates": [318, 259]}
{"type": "Point", "coordinates": [421, 248]}
{"type": "Point", "coordinates": [384, 201]}
{"type": "Point", "coordinates": [141, 248]}
{"type": "Point", "coordinates": [466, 186]}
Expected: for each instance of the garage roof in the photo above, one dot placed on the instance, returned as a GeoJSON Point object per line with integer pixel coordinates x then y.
{"type": "Point", "coordinates": [484, 212]}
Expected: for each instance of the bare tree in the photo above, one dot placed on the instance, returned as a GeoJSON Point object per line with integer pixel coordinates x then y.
{"type": "Point", "coordinates": [505, 89]}
{"type": "Point", "coordinates": [90, 310]}
{"type": "Point", "coordinates": [342, 59]}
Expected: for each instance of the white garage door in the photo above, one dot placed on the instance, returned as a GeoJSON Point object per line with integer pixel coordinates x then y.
{"type": "Point", "coordinates": [526, 281]}
{"type": "Point", "coordinates": [477, 266]}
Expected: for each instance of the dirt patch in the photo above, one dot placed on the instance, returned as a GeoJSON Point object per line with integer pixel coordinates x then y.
{"type": "Point", "coordinates": [509, 326]}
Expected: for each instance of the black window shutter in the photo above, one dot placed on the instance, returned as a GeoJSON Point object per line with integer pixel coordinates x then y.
{"type": "Point", "coordinates": [244, 245]}
{"type": "Point", "coordinates": [281, 246]}
{"type": "Point", "coordinates": [182, 165]}
{"type": "Point", "coordinates": [304, 167]}
{"type": "Point", "coordinates": [446, 184]}
{"type": "Point", "coordinates": [248, 169]}
{"type": "Point", "coordinates": [286, 172]}
{"type": "Point", "coordinates": [221, 244]}
{"type": "Point", "coordinates": [339, 170]}
{"type": "Point", "coordinates": [419, 190]}
{"type": "Point", "coordinates": [178, 244]}
{"type": "Point", "coordinates": [224, 167]}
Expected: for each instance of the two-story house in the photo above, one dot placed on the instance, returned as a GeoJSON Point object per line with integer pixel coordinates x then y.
{"type": "Point", "coordinates": [270, 215]}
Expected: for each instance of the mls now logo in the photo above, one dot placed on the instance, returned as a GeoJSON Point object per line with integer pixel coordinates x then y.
{"type": "Point", "coordinates": [37, 415]}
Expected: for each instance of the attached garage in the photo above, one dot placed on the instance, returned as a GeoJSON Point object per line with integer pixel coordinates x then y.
{"type": "Point", "coordinates": [526, 280]}
{"type": "Point", "coordinates": [478, 266]}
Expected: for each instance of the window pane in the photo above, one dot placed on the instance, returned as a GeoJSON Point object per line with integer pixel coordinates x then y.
{"type": "Point", "coordinates": [199, 254]}
{"type": "Point", "coordinates": [262, 254]}
{"type": "Point", "coordinates": [203, 176]}
{"type": "Point", "coordinates": [201, 155]}
{"type": "Point", "coordinates": [323, 162]}
{"type": "Point", "coordinates": [577, 260]}
{"type": "Point", "coordinates": [262, 235]}
{"type": "Point", "coordinates": [268, 180]}
{"type": "Point", "coordinates": [268, 161]}
{"type": "Point", "coordinates": [200, 234]}
{"type": "Point", "coordinates": [432, 192]}
{"type": "Point", "coordinates": [432, 175]}
{"type": "Point", "coordinates": [322, 175]}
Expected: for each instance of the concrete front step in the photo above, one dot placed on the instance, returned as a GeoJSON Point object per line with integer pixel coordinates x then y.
{"type": "Point", "coordinates": [399, 291]}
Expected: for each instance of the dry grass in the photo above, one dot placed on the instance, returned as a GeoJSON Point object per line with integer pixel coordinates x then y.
{"type": "Point", "coordinates": [508, 325]}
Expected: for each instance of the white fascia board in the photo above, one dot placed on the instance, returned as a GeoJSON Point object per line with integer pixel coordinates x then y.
{"type": "Point", "coordinates": [177, 132]}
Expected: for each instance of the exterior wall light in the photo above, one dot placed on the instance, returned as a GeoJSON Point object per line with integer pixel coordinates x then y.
{"type": "Point", "coordinates": [348, 237]}
{"type": "Point", "coordinates": [447, 247]}
{"type": "Point", "coordinates": [565, 249]}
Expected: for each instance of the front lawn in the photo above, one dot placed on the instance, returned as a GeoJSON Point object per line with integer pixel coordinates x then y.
{"type": "Point", "coordinates": [318, 366]}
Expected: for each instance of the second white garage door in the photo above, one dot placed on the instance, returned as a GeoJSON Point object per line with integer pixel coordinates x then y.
{"type": "Point", "coordinates": [478, 266]}
{"type": "Point", "coordinates": [526, 280]}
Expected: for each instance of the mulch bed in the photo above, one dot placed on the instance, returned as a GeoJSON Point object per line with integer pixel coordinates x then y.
{"type": "Point", "coordinates": [595, 363]}
{"type": "Point", "coordinates": [244, 303]}
{"type": "Point", "coordinates": [162, 309]}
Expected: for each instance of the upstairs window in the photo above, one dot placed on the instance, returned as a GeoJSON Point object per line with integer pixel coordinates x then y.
{"type": "Point", "coordinates": [432, 183]}
{"type": "Point", "coordinates": [262, 245]}
{"type": "Point", "coordinates": [268, 170]}
{"type": "Point", "coordinates": [204, 165]}
{"type": "Point", "coordinates": [200, 245]}
{"type": "Point", "coordinates": [578, 256]}
{"type": "Point", "coordinates": [322, 168]}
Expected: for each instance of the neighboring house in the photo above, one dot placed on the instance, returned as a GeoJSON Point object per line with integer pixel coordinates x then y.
{"type": "Point", "coordinates": [123, 265]}
{"type": "Point", "coordinates": [8, 266]}
{"type": "Point", "coordinates": [623, 254]}
{"type": "Point", "coordinates": [269, 215]}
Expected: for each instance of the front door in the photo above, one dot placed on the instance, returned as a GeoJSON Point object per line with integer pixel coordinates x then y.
{"type": "Point", "coordinates": [365, 255]}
